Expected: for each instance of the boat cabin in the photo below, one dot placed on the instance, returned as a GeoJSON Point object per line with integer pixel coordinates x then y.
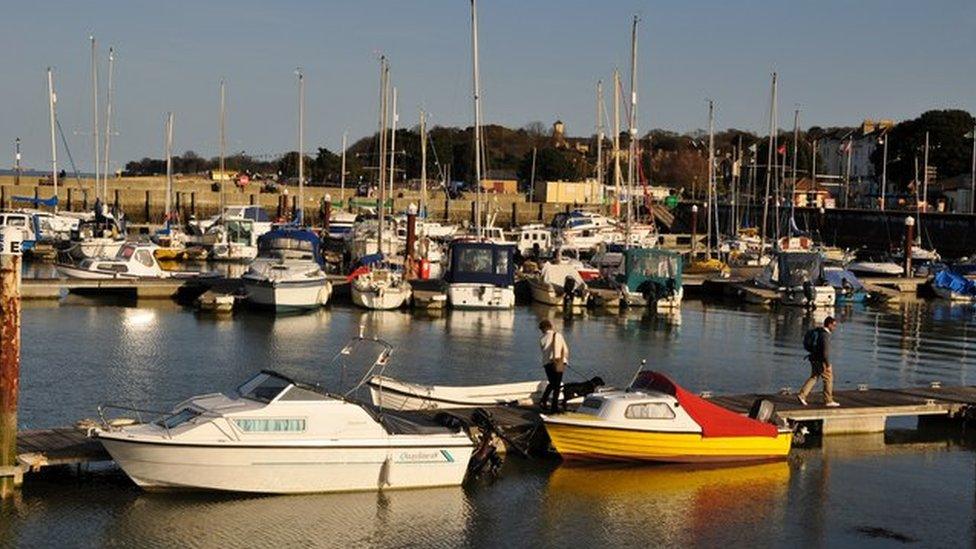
{"type": "Point", "coordinates": [644, 267]}
{"type": "Point", "coordinates": [481, 263]}
{"type": "Point", "coordinates": [290, 243]}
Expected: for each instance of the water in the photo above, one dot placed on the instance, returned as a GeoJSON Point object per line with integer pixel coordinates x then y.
{"type": "Point", "coordinates": [868, 490]}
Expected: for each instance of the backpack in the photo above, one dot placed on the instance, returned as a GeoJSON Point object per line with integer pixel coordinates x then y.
{"type": "Point", "coordinates": [811, 341]}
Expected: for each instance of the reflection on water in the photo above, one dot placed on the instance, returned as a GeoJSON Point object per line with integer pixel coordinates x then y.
{"type": "Point", "coordinates": [76, 356]}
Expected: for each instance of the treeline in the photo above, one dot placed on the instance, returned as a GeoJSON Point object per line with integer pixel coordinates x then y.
{"type": "Point", "coordinates": [665, 157]}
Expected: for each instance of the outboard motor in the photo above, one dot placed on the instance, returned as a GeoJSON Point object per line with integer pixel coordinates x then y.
{"type": "Point", "coordinates": [808, 292]}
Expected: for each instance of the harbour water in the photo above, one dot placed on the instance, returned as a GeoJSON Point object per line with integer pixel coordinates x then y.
{"type": "Point", "coordinates": [878, 489]}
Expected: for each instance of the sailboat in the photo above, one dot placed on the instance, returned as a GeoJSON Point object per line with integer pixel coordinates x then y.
{"type": "Point", "coordinates": [710, 264]}
{"type": "Point", "coordinates": [171, 240]}
{"type": "Point", "coordinates": [288, 272]}
{"type": "Point", "coordinates": [378, 285]}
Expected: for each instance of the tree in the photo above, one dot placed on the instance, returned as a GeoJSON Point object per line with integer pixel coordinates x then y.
{"type": "Point", "coordinates": [949, 151]}
{"type": "Point", "coordinates": [550, 165]}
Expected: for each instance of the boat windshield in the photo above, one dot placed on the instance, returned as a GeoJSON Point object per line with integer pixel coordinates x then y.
{"type": "Point", "coordinates": [264, 387]}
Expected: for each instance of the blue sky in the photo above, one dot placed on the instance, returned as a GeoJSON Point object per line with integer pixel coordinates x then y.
{"type": "Point", "coordinates": [840, 61]}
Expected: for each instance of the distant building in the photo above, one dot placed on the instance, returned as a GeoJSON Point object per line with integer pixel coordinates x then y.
{"type": "Point", "coordinates": [226, 175]}
{"type": "Point", "coordinates": [500, 181]}
{"type": "Point", "coordinates": [569, 192]}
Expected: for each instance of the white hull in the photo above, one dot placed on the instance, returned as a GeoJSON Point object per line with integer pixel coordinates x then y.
{"type": "Point", "coordinates": [872, 268]}
{"type": "Point", "coordinates": [634, 299]}
{"type": "Point", "coordinates": [823, 296]}
{"type": "Point", "coordinates": [946, 293]}
{"type": "Point", "coordinates": [394, 463]}
{"type": "Point", "coordinates": [383, 299]}
{"type": "Point", "coordinates": [480, 296]}
{"type": "Point", "coordinates": [288, 295]}
{"type": "Point", "coordinates": [392, 394]}
{"type": "Point", "coordinates": [70, 271]}
{"type": "Point", "coordinates": [547, 294]}
{"type": "Point", "coordinates": [100, 247]}
{"type": "Point", "coordinates": [233, 252]}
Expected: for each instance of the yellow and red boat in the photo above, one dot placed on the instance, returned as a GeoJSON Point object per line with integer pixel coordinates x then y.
{"type": "Point", "coordinates": [657, 420]}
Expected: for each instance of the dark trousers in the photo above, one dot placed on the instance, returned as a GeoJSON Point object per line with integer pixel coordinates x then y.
{"type": "Point", "coordinates": [555, 382]}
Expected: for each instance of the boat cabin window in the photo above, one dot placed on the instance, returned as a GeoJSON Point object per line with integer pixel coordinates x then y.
{"type": "Point", "coordinates": [273, 425]}
{"type": "Point", "coordinates": [476, 260]}
{"type": "Point", "coordinates": [239, 232]}
{"type": "Point", "coordinates": [144, 257]}
{"type": "Point", "coordinates": [649, 410]}
{"type": "Point", "coordinates": [501, 262]}
{"type": "Point", "coordinates": [15, 221]}
{"type": "Point", "coordinates": [592, 403]}
{"type": "Point", "coordinates": [113, 267]}
{"type": "Point", "coordinates": [125, 252]}
{"type": "Point", "coordinates": [179, 418]}
{"type": "Point", "coordinates": [299, 393]}
{"type": "Point", "coordinates": [263, 387]}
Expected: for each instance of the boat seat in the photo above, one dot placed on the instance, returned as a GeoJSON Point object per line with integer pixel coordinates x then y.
{"type": "Point", "coordinates": [404, 423]}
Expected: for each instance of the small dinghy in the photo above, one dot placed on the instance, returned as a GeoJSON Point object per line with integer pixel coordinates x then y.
{"type": "Point", "coordinates": [401, 395]}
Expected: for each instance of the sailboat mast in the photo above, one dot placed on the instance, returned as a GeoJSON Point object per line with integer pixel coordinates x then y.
{"type": "Point", "coordinates": [599, 133]}
{"type": "Point", "coordinates": [476, 91]}
{"type": "Point", "coordinates": [94, 82]}
{"type": "Point", "coordinates": [380, 179]}
{"type": "Point", "coordinates": [423, 163]}
{"type": "Point", "coordinates": [632, 156]}
{"type": "Point", "coordinates": [223, 142]}
{"type": "Point", "coordinates": [51, 100]}
{"type": "Point", "coordinates": [711, 176]}
{"type": "Point", "coordinates": [108, 119]}
{"type": "Point", "coordinates": [300, 214]}
{"type": "Point", "coordinates": [342, 175]}
{"type": "Point", "coordinates": [616, 141]}
{"type": "Point", "coordinates": [393, 126]}
{"type": "Point", "coordinates": [796, 150]}
{"type": "Point", "coordinates": [769, 165]}
{"type": "Point", "coordinates": [169, 166]}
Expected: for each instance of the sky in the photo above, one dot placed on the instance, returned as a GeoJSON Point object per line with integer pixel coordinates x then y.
{"type": "Point", "coordinates": [839, 61]}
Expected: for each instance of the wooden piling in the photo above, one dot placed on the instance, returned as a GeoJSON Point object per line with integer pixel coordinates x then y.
{"type": "Point", "coordinates": [411, 243]}
{"type": "Point", "coordinates": [10, 256]}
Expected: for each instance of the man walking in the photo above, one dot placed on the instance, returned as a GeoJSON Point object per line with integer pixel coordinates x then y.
{"type": "Point", "coordinates": [555, 354]}
{"type": "Point", "coordinates": [817, 343]}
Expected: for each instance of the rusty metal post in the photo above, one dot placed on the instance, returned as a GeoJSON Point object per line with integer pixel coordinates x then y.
{"type": "Point", "coordinates": [411, 242]}
{"type": "Point", "coordinates": [10, 256]}
{"type": "Point", "coordinates": [909, 242]}
{"type": "Point", "coordinates": [694, 229]}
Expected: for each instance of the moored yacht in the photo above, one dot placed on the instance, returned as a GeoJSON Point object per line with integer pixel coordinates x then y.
{"type": "Point", "coordinates": [481, 275]}
{"type": "Point", "coordinates": [287, 274]}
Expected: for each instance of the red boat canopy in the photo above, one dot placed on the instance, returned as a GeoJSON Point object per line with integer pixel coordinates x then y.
{"type": "Point", "coordinates": [714, 420]}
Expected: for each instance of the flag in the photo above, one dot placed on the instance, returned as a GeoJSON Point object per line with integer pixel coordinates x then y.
{"type": "Point", "coordinates": [970, 135]}
{"type": "Point", "coordinates": [753, 148]}
{"type": "Point", "coordinates": [782, 149]}
{"type": "Point", "coordinates": [845, 146]}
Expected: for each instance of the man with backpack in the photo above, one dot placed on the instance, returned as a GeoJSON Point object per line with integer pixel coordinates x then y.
{"type": "Point", "coordinates": [817, 343]}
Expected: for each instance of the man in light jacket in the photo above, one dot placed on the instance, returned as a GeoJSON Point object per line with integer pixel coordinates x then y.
{"type": "Point", "coordinates": [555, 354]}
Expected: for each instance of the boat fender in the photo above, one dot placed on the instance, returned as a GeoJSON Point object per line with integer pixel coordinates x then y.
{"type": "Point", "coordinates": [808, 291]}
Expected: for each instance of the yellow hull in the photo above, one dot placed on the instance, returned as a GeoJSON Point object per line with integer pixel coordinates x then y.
{"type": "Point", "coordinates": [608, 443]}
{"type": "Point", "coordinates": [168, 254]}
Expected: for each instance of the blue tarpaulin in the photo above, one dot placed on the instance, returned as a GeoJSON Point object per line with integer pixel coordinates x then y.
{"type": "Point", "coordinates": [50, 202]}
{"type": "Point", "coordinates": [954, 282]}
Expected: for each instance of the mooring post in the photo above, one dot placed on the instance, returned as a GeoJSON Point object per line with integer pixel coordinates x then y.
{"type": "Point", "coordinates": [411, 241]}
{"type": "Point", "coordinates": [694, 229]}
{"type": "Point", "coordinates": [909, 242]}
{"type": "Point", "coordinates": [326, 213]}
{"type": "Point", "coordinates": [10, 255]}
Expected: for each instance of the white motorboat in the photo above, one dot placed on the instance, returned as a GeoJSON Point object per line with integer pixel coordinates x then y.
{"type": "Point", "coordinates": [796, 275]}
{"type": "Point", "coordinates": [287, 274]}
{"type": "Point", "coordinates": [134, 260]}
{"type": "Point", "coordinates": [394, 394]}
{"type": "Point", "coordinates": [867, 265]}
{"type": "Point", "coordinates": [481, 275]}
{"type": "Point", "coordinates": [280, 435]}
{"type": "Point", "coordinates": [363, 240]}
{"type": "Point", "coordinates": [380, 287]}
{"type": "Point", "coordinates": [533, 241]}
{"type": "Point", "coordinates": [256, 214]}
{"type": "Point", "coordinates": [232, 239]}
{"type": "Point", "coordinates": [559, 284]}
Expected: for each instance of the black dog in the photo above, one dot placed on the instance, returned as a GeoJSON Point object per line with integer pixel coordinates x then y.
{"type": "Point", "coordinates": [582, 388]}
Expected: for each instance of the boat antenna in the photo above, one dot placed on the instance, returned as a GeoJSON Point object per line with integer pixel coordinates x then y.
{"type": "Point", "coordinates": [640, 368]}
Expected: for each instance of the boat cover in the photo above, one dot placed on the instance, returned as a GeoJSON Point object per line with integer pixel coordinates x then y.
{"type": "Point", "coordinates": [795, 268]}
{"type": "Point", "coordinates": [837, 277]}
{"type": "Point", "coordinates": [291, 239]}
{"type": "Point", "coordinates": [714, 420]}
{"type": "Point", "coordinates": [557, 273]}
{"type": "Point", "coordinates": [954, 282]}
{"type": "Point", "coordinates": [482, 263]}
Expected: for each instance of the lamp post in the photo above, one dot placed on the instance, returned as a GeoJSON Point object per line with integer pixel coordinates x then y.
{"type": "Point", "coordinates": [694, 229]}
